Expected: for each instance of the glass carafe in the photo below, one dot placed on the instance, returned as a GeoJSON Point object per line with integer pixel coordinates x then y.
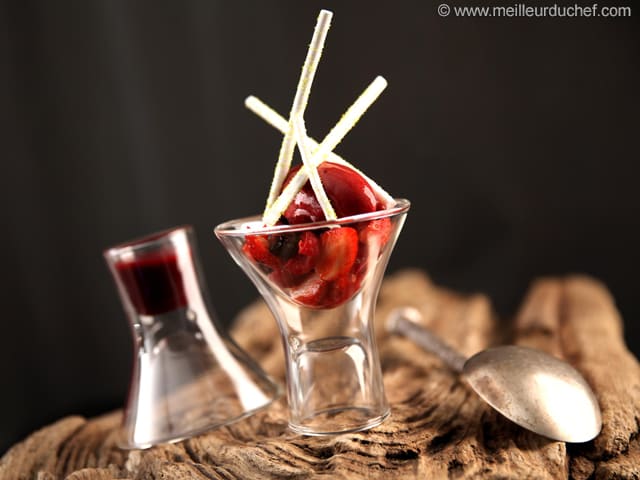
{"type": "Point", "coordinates": [188, 376]}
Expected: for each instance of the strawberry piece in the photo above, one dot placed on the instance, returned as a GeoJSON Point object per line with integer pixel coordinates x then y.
{"type": "Point", "coordinates": [311, 292]}
{"type": "Point", "coordinates": [309, 244]}
{"type": "Point", "coordinates": [378, 230]}
{"type": "Point", "coordinates": [308, 251]}
{"type": "Point", "coordinates": [338, 251]}
{"type": "Point", "coordinates": [284, 279]}
{"type": "Point", "coordinates": [256, 247]}
{"type": "Point", "coordinates": [341, 289]}
{"type": "Point", "coordinates": [359, 268]}
{"type": "Point", "coordinates": [299, 265]}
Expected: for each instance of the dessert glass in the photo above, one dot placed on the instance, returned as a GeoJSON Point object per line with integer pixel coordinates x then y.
{"type": "Point", "coordinates": [334, 379]}
{"type": "Point", "coordinates": [188, 376]}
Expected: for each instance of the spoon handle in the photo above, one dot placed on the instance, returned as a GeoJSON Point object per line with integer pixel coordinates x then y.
{"type": "Point", "coordinates": [403, 321]}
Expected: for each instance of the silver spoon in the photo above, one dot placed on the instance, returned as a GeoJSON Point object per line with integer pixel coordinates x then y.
{"type": "Point", "coordinates": [531, 388]}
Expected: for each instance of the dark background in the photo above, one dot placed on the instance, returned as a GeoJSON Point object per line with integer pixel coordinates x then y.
{"type": "Point", "coordinates": [516, 139]}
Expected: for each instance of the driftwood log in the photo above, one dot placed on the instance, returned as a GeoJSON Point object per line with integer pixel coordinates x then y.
{"type": "Point", "coordinates": [438, 427]}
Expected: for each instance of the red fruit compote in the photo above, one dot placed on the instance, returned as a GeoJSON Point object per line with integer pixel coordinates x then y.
{"type": "Point", "coordinates": [319, 263]}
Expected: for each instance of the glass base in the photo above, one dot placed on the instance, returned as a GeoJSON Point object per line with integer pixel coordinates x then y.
{"type": "Point", "coordinates": [125, 444]}
{"type": "Point", "coordinates": [338, 420]}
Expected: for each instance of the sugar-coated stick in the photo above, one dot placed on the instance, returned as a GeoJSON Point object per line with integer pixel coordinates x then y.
{"type": "Point", "coordinates": [311, 170]}
{"type": "Point", "coordinates": [267, 113]}
{"type": "Point", "coordinates": [344, 125]}
{"type": "Point", "coordinates": [299, 103]}
{"type": "Point", "coordinates": [273, 118]}
{"type": "Point", "coordinates": [351, 117]}
{"type": "Point", "coordinates": [277, 208]}
{"type": "Point", "coordinates": [337, 133]}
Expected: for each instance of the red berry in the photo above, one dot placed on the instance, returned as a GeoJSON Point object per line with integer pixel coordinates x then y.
{"type": "Point", "coordinates": [338, 251]}
{"type": "Point", "coordinates": [359, 268]}
{"type": "Point", "coordinates": [378, 231]}
{"type": "Point", "coordinates": [284, 279]}
{"type": "Point", "coordinates": [308, 249]}
{"type": "Point", "coordinates": [256, 247]}
{"type": "Point", "coordinates": [341, 289]}
{"type": "Point", "coordinates": [309, 244]}
{"type": "Point", "coordinates": [311, 292]}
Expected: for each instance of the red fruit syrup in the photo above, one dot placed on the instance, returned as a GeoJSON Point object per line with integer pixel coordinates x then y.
{"type": "Point", "coordinates": [154, 283]}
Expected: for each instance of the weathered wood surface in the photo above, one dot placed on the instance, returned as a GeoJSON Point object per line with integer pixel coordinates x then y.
{"type": "Point", "coordinates": [438, 427]}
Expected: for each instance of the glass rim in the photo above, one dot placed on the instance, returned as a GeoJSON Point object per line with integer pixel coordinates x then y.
{"type": "Point", "coordinates": [231, 227]}
{"type": "Point", "coordinates": [145, 241]}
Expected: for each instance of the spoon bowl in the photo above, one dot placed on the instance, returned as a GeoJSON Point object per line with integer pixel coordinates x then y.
{"type": "Point", "coordinates": [531, 388]}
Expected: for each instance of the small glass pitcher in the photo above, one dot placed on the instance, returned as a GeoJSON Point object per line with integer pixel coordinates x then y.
{"type": "Point", "coordinates": [188, 376]}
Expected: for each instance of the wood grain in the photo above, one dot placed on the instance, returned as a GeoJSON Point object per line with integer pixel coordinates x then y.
{"type": "Point", "coordinates": [438, 427]}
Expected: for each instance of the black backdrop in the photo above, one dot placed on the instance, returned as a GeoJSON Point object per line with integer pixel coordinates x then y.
{"type": "Point", "coordinates": [516, 139]}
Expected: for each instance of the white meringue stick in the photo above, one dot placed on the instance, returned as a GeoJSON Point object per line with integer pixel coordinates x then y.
{"type": "Point", "coordinates": [299, 103]}
{"type": "Point", "coordinates": [311, 169]}
{"type": "Point", "coordinates": [350, 118]}
{"type": "Point", "coordinates": [337, 133]}
{"type": "Point", "coordinates": [268, 114]}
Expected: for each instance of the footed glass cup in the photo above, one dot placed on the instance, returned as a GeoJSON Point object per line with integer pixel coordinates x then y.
{"type": "Point", "coordinates": [188, 376]}
{"type": "Point", "coordinates": [321, 282]}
